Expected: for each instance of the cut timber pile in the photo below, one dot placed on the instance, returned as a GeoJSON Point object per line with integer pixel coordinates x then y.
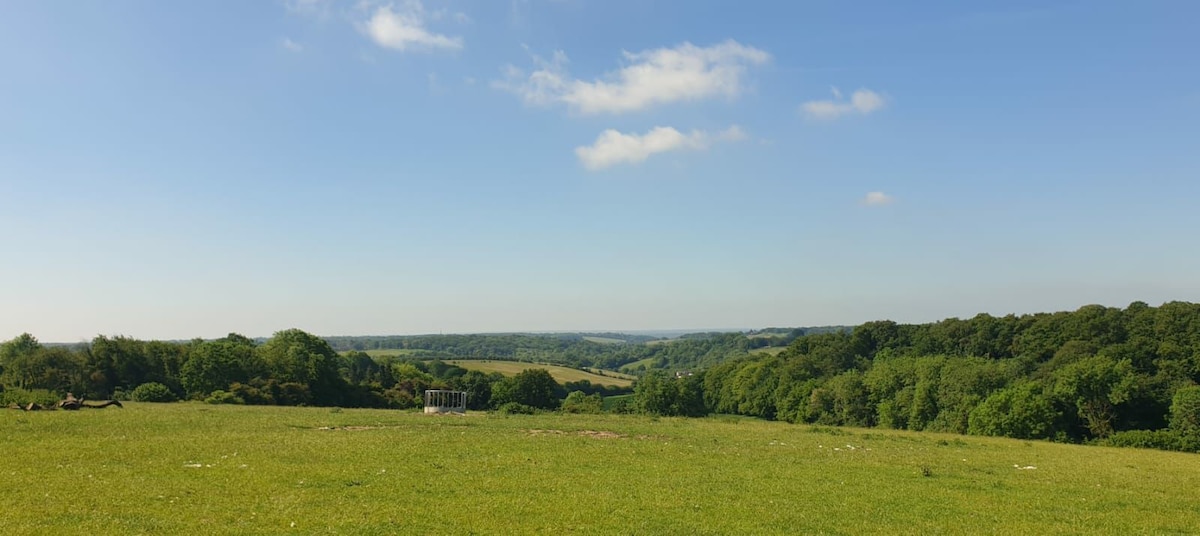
{"type": "Point", "coordinates": [70, 403]}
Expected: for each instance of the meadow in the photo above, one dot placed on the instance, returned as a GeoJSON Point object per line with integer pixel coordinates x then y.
{"type": "Point", "coordinates": [561, 374]}
{"type": "Point", "coordinates": [200, 469]}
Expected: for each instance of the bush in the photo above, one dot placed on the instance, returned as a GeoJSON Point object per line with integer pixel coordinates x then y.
{"type": "Point", "coordinates": [516, 408]}
{"type": "Point", "coordinates": [23, 397]}
{"type": "Point", "coordinates": [577, 402]}
{"type": "Point", "coordinates": [1021, 412]}
{"type": "Point", "coordinates": [619, 404]}
{"type": "Point", "coordinates": [1154, 439]}
{"type": "Point", "coordinates": [223, 397]}
{"type": "Point", "coordinates": [152, 392]}
{"type": "Point", "coordinates": [249, 394]}
{"type": "Point", "coordinates": [1185, 410]}
{"type": "Point", "coordinates": [400, 399]}
{"type": "Point", "coordinates": [530, 387]}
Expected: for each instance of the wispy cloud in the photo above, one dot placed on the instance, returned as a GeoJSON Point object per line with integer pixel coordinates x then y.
{"type": "Point", "coordinates": [863, 102]}
{"type": "Point", "coordinates": [613, 147]}
{"type": "Point", "coordinates": [651, 77]}
{"type": "Point", "coordinates": [290, 45]}
{"type": "Point", "coordinates": [404, 29]}
{"type": "Point", "coordinates": [877, 199]}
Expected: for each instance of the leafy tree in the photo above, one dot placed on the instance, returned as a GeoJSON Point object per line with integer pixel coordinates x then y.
{"type": "Point", "coordinates": [16, 360]}
{"type": "Point", "coordinates": [841, 401]}
{"type": "Point", "coordinates": [1185, 410]}
{"type": "Point", "coordinates": [1095, 385]}
{"type": "Point", "coordinates": [1022, 412]}
{"type": "Point", "coordinates": [531, 387]}
{"type": "Point", "coordinates": [21, 345]}
{"type": "Point", "coordinates": [214, 365]}
{"type": "Point", "coordinates": [294, 356]}
{"type": "Point", "coordinates": [152, 392]}
{"type": "Point", "coordinates": [55, 368]}
{"type": "Point", "coordinates": [963, 384]}
{"type": "Point", "coordinates": [478, 386]}
{"type": "Point", "coordinates": [578, 402]}
{"type": "Point", "coordinates": [658, 394]}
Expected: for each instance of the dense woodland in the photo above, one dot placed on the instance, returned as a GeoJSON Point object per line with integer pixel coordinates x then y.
{"type": "Point", "coordinates": [1098, 373]}
{"type": "Point", "coordinates": [1119, 376]}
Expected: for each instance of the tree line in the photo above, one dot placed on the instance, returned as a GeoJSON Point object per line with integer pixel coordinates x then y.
{"type": "Point", "coordinates": [1118, 376]}
{"type": "Point", "coordinates": [291, 368]}
{"type": "Point", "coordinates": [1101, 374]}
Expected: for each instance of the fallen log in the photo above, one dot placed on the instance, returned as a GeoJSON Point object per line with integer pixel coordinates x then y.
{"type": "Point", "coordinates": [70, 404]}
{"type": "Point", "coordinates": [104, 404]}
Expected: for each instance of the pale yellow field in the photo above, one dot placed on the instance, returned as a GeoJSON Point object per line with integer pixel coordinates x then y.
{"type": "Point", "coordinates": [560, 374]}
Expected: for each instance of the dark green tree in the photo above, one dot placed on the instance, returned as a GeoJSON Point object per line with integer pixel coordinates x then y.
{"type": "Point", "coordinates": [531, 387]}
{"type": "Point", "coordinates": [1022, 412]}
{"type": "Point", "coordinates": [214, 365]}
{"type": "Point", "coordinates": [578, 402]}
{"type": "Point", "coordinates": [1185, 410]}
{"type": "Point", "coordinates": [294, 356]}
{"type": "Point", "coordinates": [1095, 386]}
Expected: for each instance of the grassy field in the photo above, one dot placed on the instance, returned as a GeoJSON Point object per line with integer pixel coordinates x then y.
{"type": "Point", "coordinates": [772, 350]}
{"type": "Point", "coordinates": [199, 469]}
{"type": "Point", "coordinates": [560, 374]}
{"type": "Point", "coordinates": [603, 340]}
{"type": "Point", "coordinates": [402, 352]}
{"type": "Point", "coordinates": [648, 362]}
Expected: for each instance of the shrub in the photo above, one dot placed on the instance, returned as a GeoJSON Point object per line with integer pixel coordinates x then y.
{"type": "Point", "coordinates": [577, 402]}
{"type": "Point", "coordinates": [249, 394]}
{"type": "Point", "coordinates": [619, 404]}
{"type": "Point", "coordinates": [516, 408]}
{"type": "Point", "coordinates": [223, 397]}
{"type": "Point", "coordinates": [23, 397]}
{"type": "Point", "coordinates": [400, 399]}
{"type": "Point", "coordinates": [1154, 439]}
{"type": "Point", "coordinates": [1021, 412]}
{"type": "Point", "coordinates": [1185, 410]}
{"type": "Point", "coordinates": [152, 392]}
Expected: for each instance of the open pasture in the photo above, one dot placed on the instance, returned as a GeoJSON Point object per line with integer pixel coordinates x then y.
{"type": "Point", "coordinates": [196, 469]}
{"type": "Point", "coordinates": [603, 340]}
{"type": "Point", "coordinates": [561, 374]}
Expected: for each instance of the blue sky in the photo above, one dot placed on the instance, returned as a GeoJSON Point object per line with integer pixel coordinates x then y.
{"type": "Point", "coordinates": [173, 170]}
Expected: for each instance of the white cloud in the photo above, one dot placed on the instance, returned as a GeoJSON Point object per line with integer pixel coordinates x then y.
{"type": "Point", "coordinates": [291, 45]}
{"type": "Point", "coordinates": [863, 101]}
{"type": "Point", "coordinates": [613, 147]}
{"type": "Point", "coordinates": [877, 199]}
{"type": "Point", "coordinates": [405, 30]}
{"type": "Point", "coordinates": [660, 76]}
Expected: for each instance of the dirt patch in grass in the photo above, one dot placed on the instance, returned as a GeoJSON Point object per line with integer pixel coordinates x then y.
{"type": "Point", "coordinates": [595, 434]}
{"type": "Point", "coordinates": [354, 428]}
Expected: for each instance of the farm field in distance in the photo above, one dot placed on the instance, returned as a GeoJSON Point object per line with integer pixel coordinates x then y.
{"type": "Point", "coordinates": [227, 469]}
{"type": "Point", "coordinates": [603, 340]}
{"type": "Point", "coordinates": [561, 375]}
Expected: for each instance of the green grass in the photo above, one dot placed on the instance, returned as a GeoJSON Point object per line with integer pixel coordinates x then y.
{"type": "Point", "coordinates": [400, 352]}
{"type": "Point", "coordinates": [649, 362]}
{"type": "Point", "coordinates": [196, 469]}
{"type": "Point", "coordinates": [770, 350]}
{"type": "Point", "coordinates": [603, 340]}
{"type": "Point", "coordinates": [560, 374]}
{"type": "Point", "coordinates": [611, 401]}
